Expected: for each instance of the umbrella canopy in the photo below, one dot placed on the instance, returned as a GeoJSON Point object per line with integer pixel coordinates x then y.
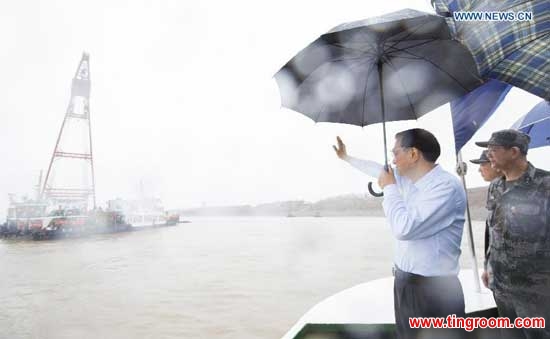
{"type": "Point", "coordinates": [516, 52]}
{"type": "Point", "coordinates": [394, 67]}
{"type": "Point", "coordinates": [471, 111]}
{"type": "Point", "coordinates": [536, 123]}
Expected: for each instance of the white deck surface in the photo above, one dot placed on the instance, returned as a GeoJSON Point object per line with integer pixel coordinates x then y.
{"type": "Point", "coordinates": [372, 303]}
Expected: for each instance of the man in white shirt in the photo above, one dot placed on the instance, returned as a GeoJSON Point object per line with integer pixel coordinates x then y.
{"type": "Point", "coordinates": [424, 206]}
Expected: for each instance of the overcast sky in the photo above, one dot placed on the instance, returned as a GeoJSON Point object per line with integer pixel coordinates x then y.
{"type": "Point", "coordinates": [183, 99]}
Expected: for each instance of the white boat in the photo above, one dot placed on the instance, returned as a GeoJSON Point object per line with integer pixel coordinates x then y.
{"type": "Point", "coordinates": [143, 212]}
{"type": "Point", "coordinates": [366, 311]}
{"type": "Point", "coordinates": [145, 218]}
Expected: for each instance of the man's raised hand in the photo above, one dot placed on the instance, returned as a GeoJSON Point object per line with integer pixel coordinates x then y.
{"type": "Point", "coordinates": [340, 149]}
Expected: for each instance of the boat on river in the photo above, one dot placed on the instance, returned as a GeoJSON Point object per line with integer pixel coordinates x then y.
{"type": "Point", "coordinates": [144, 212]}
{"type": "Point", "coordinates": [65, 203]}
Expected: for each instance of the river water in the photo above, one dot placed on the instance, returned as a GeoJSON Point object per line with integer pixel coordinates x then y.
{"type": "Point", "coordinates": [227, 278]}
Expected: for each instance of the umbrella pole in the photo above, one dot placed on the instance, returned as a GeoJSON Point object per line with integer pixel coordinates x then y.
{"type": "Point", "coordinates": [461, 169]}
{"type": "Point", "coordinates": [383, 110]}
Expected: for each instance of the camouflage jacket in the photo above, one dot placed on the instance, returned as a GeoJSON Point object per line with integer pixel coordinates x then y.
{"type": "Point", "coordinates": [519, 222]}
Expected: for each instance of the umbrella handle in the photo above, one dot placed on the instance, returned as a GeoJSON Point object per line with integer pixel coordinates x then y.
{"type": "Point", "coordinates": [369, 186]}
{"type": "Point", "coordinates": [373, 193]}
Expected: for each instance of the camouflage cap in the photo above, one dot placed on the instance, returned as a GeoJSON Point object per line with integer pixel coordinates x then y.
{"type": "Point", "coordinates": [482, 158]}
{"type": "Point", "coordinates": [508, 138]}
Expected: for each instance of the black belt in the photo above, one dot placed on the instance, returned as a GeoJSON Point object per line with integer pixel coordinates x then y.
{"type": "Point", "coordinates": [396, 272]}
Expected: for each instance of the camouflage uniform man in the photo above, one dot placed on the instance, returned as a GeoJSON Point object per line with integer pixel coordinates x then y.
{"type": "Point", "coordinates": [519, 219]}
{"type": "Point", "coordinates": [488, 173]}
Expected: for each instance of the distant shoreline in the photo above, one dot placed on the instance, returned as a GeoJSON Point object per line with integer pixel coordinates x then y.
{"type": "Point", "coordinates": [351, 205]}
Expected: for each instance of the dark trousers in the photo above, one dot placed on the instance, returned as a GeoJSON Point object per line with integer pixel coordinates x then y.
{"type": "Point", "coordinates": [418, 296]}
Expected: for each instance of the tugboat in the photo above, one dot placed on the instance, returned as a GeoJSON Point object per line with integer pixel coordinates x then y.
{"type": "Point", "coordinates": [38, 220]}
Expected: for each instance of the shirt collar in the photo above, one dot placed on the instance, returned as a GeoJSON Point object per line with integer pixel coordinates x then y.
{"type": "Point", "coordinates": [428, 177]}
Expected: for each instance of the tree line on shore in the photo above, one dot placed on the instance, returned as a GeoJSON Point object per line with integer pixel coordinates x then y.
{"type": "Point", "coordinates": [342, 205]}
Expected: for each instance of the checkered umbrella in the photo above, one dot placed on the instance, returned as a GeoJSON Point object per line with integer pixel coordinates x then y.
{"type": "Point", "coordinates": [515, 52]}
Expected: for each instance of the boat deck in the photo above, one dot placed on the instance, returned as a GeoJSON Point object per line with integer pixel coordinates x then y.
{"type": "Point", "coordinates": [366, 311]}
{"type": "Point", "coordinates": [387, 331]}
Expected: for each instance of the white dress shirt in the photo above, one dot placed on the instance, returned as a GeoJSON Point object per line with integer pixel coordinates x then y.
{"type": "Point", "coordinates": [426, 218]}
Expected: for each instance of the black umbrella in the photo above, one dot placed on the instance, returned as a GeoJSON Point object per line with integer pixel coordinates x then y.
{"type": "Point", "coordinates": [397, 66]}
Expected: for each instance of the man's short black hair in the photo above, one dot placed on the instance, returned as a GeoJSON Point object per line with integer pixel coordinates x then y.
{"type": "Point", "coordinates": [423, 141]}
